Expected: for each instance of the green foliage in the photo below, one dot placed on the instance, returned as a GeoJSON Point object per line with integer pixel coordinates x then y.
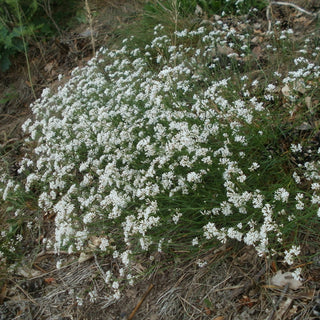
{"type": "Point", "coordinates": [14, 27]}
{"type": "Point", "coordinates": [209, 7]}
{"type": "Point", "coordinates": [24, 20]}
{"type": "Point", "coordinates": [229, 6]}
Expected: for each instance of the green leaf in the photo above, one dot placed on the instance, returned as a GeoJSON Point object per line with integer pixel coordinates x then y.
{"type": "Point", "coordinates": [208, 303]}
{"type": "Point", "coordinates": [4, 63]}
{"type": "Point", "coordinates": [3, 33]}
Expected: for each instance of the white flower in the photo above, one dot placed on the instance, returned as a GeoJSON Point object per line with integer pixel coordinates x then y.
{"type": "Point", "coordinates": [315, 186]}
{"type": "Point", "coordinates": [290, 254]}
{"type": "Point", "coordinates": [104, 244]}
{"type": "Point", "coordinates": [79, 301]}
{"type": "Point", "coordinates": [10, 184]}
{"type": "Point", "coordinates": [93, 295]}
{"type": "Point", "coordinates": [115, 285]}
{"type": "Point", "coordinates": [201, 263]}
{"type": "Point", "coordinates": [234, 234]}
{"type": "Point", "coordinates": [176, 216]}
{"type": "Point", "coordinates": [108, 277]}
{"type": "Point", "coordinates": [195, 241]}
{"type": "Point", "coordinates": [88, 217]}
{"type": "Point", "coordinates": [299, 204]}
{"type": "Point", "coordinates": [122, 147]}
{"type": "Point", "coordinates": [281, 194]}
{"type": "Point", "coordinates": [193, 177]}
{"type": "Point", "coordinates": [297, 274]}
{"type": "Point", "coordinates": [271, 88]}
{"type": "Point", "coordinates": [257, 199]}
{"type": "Point", "coordinates": [296, 147]}
{"type": "Point", "coordinates": [254, 166]}
{"type": "Point", "coordinates": [296, 178]}
{"type": "Point", "coordinates": [125, 257]}
{"type": "Point", "coordinates": [255, 83]}
{"type": "Point", "coordinates": [59, 264]}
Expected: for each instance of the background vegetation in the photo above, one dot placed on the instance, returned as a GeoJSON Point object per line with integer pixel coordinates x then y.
{"type": "Point", "coordinates": [23, 22]}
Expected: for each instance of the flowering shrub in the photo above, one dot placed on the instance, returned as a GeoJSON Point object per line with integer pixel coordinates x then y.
{"type": "Point", "coordinates": [147, 146]}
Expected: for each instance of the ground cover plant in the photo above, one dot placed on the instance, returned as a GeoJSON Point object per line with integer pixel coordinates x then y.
{"type": "Point", "coordinates": [174, 144]}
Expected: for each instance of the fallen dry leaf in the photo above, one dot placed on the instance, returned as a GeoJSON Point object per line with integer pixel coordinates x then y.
{"type": "Point", "coordinates": [282, 279]}
{"type": "Point", "coordinates": [84, 257]}
{"type": "Point", "coordinates": [48, 67]}
{"type": "Point", "coordinates": [94, 242]}
{"type": "Point", "coordinates": [27, 272]}
{"type": "Point", "coordinates": [207, 311]}
{"type": "Point", "coordinates": [299, 86]}
{"type": "Point", "coordinates": [257, 52]}
{"type": "Point", "coordinates": [50, 280]}
{"type": "Point", "coordinates": [286, 91]}
{"type": "Point", "coordinates": [246, 301]}
{"type": "Point", "coordinates": [308, 103]}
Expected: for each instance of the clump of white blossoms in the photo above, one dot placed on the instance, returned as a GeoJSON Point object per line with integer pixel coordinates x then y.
{"type": "Point", "coordinates": [148, 140]}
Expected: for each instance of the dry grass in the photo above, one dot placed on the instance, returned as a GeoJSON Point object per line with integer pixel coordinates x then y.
{"type": "Point", "coordinates": [231, 286]}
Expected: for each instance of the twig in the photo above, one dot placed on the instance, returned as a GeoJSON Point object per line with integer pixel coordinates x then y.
{"type": "Point", "coordinates": [49, 253]}
{"type": "Point", "coordinates": [24, 292]}
{"type": "Point", "coordinates": [281, 3]}
{"type": "Point", "coordinates": [284, 291]}
{"type": "Point", "coordinates": [185, 310]}
{"type": "Point", "coordinates": [47, 9]}
{"type": "Point", "coordinates": [247, 285]}
{"type": "Point", "coordinates": [140, 303]}
{"type": "Point", "coordinates": [39, 268]}
{"type": "Point", "coordinates": [191, 305]}
{"type": "Point", "coordinates": [8, 141]}
{"type": "Point", "coordinates": [288, 4]}
{"type": "Point", "coordinates": [8, 115]}
{"type": "Point", "coordinates": [268, 14]}
{"type": "Point", "coordinates": [18, 9]}
{"type": "Point", "coordinates": [214, 288]}
{"type": "Point", "coordinates": [98, 266]}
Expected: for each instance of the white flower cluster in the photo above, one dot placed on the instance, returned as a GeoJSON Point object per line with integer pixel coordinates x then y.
{"type": "Point", "coordinates": [140, 140]}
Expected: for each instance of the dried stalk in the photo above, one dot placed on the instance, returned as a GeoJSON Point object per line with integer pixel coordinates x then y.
{"type": "Point", "coordinates": [89, 16]}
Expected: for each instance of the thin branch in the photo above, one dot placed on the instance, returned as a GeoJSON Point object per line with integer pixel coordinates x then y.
{"type": "Point", "coordinates": [24, 292]}
{"type": "Point", "coordinates": [191, 305]}
{"type": "Point", "coordinates": [140, 303]}
{"type": "Point", "coordinates": [268, 14]}
{"type": "Point", "coordinates": [98, 266]}
{"type": "Point", "coordinates": [281, 3]}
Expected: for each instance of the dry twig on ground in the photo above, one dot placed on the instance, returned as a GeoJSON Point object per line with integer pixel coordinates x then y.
{"type": "Point", "coordinates": [315, 15]}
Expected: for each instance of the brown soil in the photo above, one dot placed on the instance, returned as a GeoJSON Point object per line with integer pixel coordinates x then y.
{"type": "Point", "coordinates": [234, 284]}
